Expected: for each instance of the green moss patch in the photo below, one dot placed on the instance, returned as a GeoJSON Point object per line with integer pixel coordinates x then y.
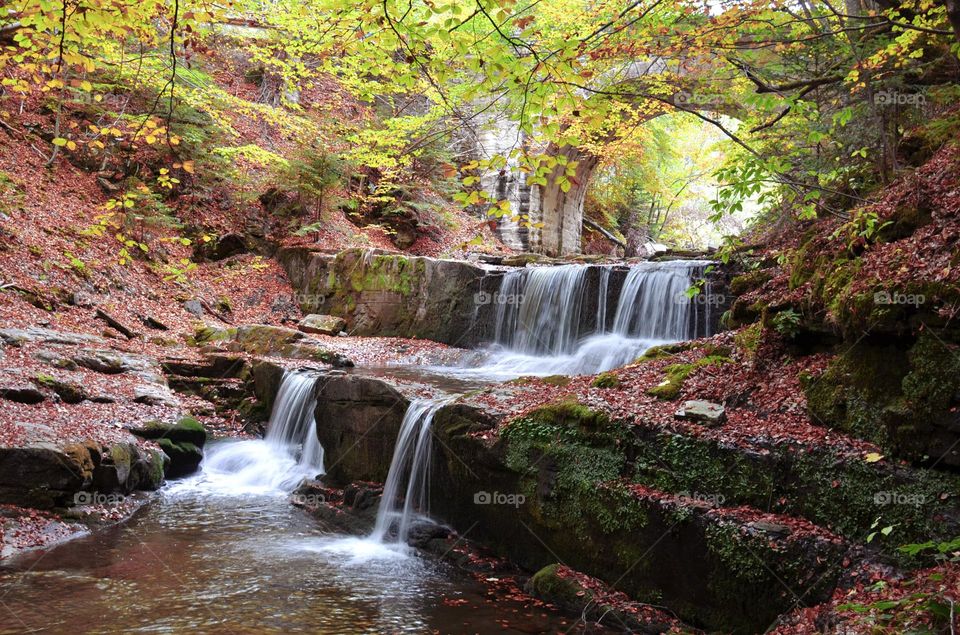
{"type": "Point", "coordinates": [676, 374]}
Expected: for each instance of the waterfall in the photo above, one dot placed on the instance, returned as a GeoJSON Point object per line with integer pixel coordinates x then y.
{"type": "Point", "coordinates": [538, 309]}
{"type": "Point", "coordinates": [654, 305]}
{"type": "Point", "coordinates": [289, 453]}
{"type": "Point", "coordinates": [409, 473]}
{"type": "Point", "coordinates": [545, 323]}
{"type": "Point", "coordinates": [292, 427]}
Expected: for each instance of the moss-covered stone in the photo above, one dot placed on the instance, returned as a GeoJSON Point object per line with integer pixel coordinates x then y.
{"type": "Point", "coordinates": [556, 380]}
{"type": "Point", "coordinates": [69, 392]}
{"type": "Point", "coordinates": [606, 380]}
{"type": "Point", "coordinates": [569, 413]}
{"type": "Point", "coordinates": [184, 457]}
{"type": "Point", "coordinates": [185, 430]}
{"type": "Point", "coordinates": [904, 399]}
{"type": "Point", "coordinates": [663, 350]}
{"type": "Point", "coordinates": [548, 585]}
{"type": "Point", "coordinates": [676, 374]}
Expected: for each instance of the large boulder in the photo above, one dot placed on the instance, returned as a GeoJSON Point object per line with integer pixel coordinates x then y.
{"type": "Point", "coordinates": [389, 294]}
{"type": "Point", "coordinates": [358, 419]}
{"type": "Point", "coordinates": [44, 476]}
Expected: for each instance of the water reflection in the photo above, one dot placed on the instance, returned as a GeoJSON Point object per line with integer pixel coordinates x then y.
{"type": "Point", "coordinates": [202, 561]}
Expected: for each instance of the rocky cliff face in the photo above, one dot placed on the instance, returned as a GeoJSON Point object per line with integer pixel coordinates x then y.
{"type": "Point", "coordinates": [671, 516]}
{"type": "Point", "coordinates": [384, 294]}
{"type": "Point", "coordinates": [452, 302]}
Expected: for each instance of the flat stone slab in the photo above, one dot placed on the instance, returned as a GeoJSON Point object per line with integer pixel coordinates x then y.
{"type": "Point", "coordinates": [706, 412]}
{"type": "Point", "coordinates": [322, 324]}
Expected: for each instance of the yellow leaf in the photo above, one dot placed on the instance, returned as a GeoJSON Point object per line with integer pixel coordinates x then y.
{"type": "Point", "coordinates": [71, 145]}
{"type": "Point", "coordinates": [873, 457]}
{"type": "Point", "coordinates": [188, 166]}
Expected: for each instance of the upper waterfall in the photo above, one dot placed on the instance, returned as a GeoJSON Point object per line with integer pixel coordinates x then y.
{"type": "Point", "coordinates": [563, 320]}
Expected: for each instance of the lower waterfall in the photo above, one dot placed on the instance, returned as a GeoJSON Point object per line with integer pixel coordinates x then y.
{"type": "Point", "coordinates": [406, 491]}
{"type": "Point", "coordinates": [288, 453]}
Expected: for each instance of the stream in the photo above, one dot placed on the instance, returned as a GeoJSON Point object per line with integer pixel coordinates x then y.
{"type": "Point", "coordinates": [207, 559]}
{"type": "Point", "coordinates": [224, 551]}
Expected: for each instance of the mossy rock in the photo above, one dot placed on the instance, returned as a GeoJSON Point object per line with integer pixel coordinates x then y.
{"type": "Point", "coordinates": [204, 334]}
{"type": "Point", "coordinates": [749, 338]}
{"type": "Point", "coordinates": [664, 350]}
{"type": "Point", "coordinates": [548, 585]}
{"type": "Point", "coordinates": [606, 380]}
{"type": "Point", "coordinates": [569, 413]}
{"type": "Point", "coordinates": [904, 399]}
{"type": "Point", "coordinates": [185, 430]}
{"type": "Point", "coordinates": [69, 392]}
{"type": "Point", "coordinates": [185, 457]}
{"type": "Point", "coordinates": [676, 374]}
{"type": "Point", "coordinates": [556, 380]}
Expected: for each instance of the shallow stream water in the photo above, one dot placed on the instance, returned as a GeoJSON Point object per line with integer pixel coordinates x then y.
{"type": "Point", "coordinates": [210, 558]}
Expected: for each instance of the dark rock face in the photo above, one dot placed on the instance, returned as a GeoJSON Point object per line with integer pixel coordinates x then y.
{"type": "Point", "coordinates": [570, 484]}
{"type": "Point", "coordinates": [358, 420]}
{"type": "Point", "coordinates": [21, 393]}
{"type": "Point", "coordinates": [47, 476]}
{"type": "Point", "coordinates": [903, 395]}
{"type": "Point", "coordinates": [384, 294]}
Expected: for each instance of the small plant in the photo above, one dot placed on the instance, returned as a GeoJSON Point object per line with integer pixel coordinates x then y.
{"type": "Point", "coordinates": [877, 530]}
{"type": "Point", "coordinates": [864, 228]}
{"type": "Point", "coordinates": [787, 323]}
{"type": "Point", "coordinates": [177, 272]}
{"type": "Point", "coordinates": [79, 267]}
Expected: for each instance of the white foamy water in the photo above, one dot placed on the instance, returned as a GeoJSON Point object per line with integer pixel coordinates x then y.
{"type": "Point", "coordinates": [276, 464]}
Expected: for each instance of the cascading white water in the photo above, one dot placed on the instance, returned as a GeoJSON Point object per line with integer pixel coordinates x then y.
{"type": "Point", "coordinates": [539, 319]}
{"type": "Point", "coordinates": [289, 453]}
{"type": "Point", "coordinates": [654, 305]}
{"type": "Point", "coordinates": [538, 310]}
{"type": "Point", "coordinates": [409, 473]}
